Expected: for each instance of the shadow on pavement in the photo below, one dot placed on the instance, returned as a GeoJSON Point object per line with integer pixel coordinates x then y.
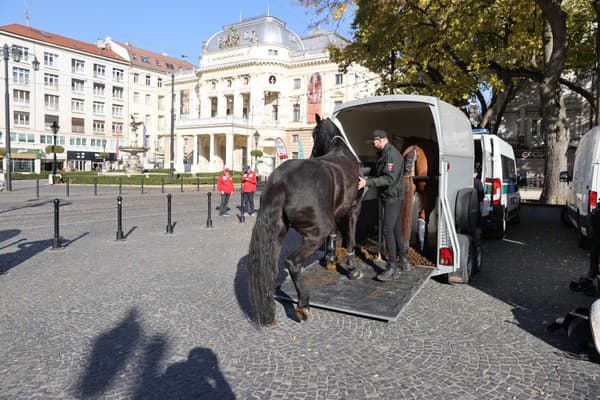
{"type": "Point", "coordinates": [126, 347]}
{"type": "Point", "coordinates": [25, 251]}
{"type": "Point", "coordinates": [530, 269]}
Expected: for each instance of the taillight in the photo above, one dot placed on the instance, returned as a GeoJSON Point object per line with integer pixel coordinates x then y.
{"type": "Point", "coordinates": [592, 200]}
{"type": "Point", "coordinates": [496, 190]}
{"type": "Point", "coordinates": [446, 256]}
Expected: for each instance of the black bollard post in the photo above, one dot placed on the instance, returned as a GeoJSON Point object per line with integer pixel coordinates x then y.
{"type": "Point", "coordinates": [169, 224]}
{"type": "Point", "coordinates": [197, 184]}
{"type": "Point", "coordinates": [242, 211]}
{"type": "Point", "coordinates": [37, 187]}
{"type": "Point", "coordinates": [142, 181]}
{"type": "Point", "coordinates": [120, 186]}
{"type": "Point", "coordinates": [95, 186]}
{"type": "Point", "coordinates": [56, 241]}
{"type": "Point", "coordinates": [214, 182]}
{"type": "Point", "coordinates": [67, 186]}
{"type": "Point", "coordinates": [182, 184]}
{"type": "Point", "coordinates": [208, 218]}
{"type": "Point", "coordinates": [162, 184]}
{"type": "Point", "coordinates": [120, 235]}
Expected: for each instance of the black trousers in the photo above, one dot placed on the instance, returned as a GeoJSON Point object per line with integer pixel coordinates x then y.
{"type": "Point", "coordinates": [224, 203]}
{"type": "Point", "coordinates": [248, 202]}
{"type": "Point", "coordinates": [392, 233]}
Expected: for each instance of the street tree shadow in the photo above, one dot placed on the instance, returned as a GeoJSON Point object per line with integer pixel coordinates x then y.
{"type": "Point", "coordinates": [110, 353]}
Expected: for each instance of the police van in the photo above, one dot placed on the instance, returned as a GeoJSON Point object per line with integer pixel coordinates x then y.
{"type": "Point", "coordinates": [496, 168]}
{"type": "Point", "coordinates": [584, 185]}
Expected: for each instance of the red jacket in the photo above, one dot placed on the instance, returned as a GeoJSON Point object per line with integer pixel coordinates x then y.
{"type": "Point", "coordinates": [225, 183]}
{"type": "Point", "coordinates": [249, 181]}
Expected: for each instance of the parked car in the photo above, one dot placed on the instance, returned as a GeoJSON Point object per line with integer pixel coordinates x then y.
{"type": "Point", "coordinates": [497, 170]}
{"type": "Point", "coordinates": [584, 185]}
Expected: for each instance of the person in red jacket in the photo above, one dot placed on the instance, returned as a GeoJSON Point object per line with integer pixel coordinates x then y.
{"type": "Point", "coordinates": [248, 189]}
{"type": "Point", "coordinates": [225, 187]}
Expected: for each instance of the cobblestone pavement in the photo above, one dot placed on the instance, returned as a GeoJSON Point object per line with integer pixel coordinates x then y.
{"type": "Point", "coordinates": [161, 316]}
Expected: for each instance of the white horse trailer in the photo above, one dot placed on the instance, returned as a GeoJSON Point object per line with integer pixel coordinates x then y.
{"type": "Point", "coordinates": [451, 226]}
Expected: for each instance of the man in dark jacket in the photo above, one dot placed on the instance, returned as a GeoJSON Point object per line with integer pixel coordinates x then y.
{"type": "Point", "coordinates": [389, 181]}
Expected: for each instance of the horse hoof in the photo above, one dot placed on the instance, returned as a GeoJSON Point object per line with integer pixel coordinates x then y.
{"type": "Point", "coordinates": [302, 313]}
{"type": "Point", "coordinates": [331, 267]}
{"type": "Point", "coordinates": [355, 274]}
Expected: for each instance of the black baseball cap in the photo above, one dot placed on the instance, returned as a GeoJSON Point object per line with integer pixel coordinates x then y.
{"type": "Point", "coordinates": [378, 134]}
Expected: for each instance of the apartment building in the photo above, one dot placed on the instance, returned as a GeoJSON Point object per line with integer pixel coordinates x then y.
{"type": "Point", "coordinates": [259, 86]}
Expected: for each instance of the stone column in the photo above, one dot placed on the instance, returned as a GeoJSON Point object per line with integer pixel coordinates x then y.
{"type": "Point", "coordinates": [179, 154]}
{"type": "Point", "coordinates": [211, 151]}
{"type": "Point", "coordinates": [196, 156]}
{"type": "Point", "coordinates": [229, 150]}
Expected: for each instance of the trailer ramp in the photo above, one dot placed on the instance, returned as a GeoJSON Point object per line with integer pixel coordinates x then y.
{"type": "Point", "coordinates": [366, 297]}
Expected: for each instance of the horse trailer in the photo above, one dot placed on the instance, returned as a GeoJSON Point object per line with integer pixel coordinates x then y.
{"type": "Point", "coordinates": [448, 239]}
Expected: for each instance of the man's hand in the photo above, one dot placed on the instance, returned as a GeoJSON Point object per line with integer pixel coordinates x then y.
{"type": "Point", "coordinates": [361, 182]}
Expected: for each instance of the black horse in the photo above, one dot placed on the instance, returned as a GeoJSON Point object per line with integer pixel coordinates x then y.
{"type": "Point", "coordinates": [308, 195]}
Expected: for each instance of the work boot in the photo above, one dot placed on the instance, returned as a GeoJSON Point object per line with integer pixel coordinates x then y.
{"type": "Point", "coordinates": [390, 273]}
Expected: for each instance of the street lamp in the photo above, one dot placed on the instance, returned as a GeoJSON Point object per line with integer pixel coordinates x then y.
{"type": "Point", "coordinates": [16, 56]}
{"type": "Point", "coordinates": [256, 136]}
{"type": "Point", "coordinates": [55, 129]}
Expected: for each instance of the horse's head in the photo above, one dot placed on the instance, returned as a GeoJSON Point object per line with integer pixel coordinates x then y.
{"type": "Point", "coordinates": [323, 135]}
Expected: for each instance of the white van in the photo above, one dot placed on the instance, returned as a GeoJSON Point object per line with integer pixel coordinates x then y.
{"type": "Point", "coordinates": [584, 185]}
{"type": "Point", "coordinates": [497, 170]}
{"type": "Point", "coordinates": [451, 226]}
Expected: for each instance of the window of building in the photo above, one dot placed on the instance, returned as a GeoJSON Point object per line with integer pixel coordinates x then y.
{"type": "Point", "coordinates": [294, 138]}
{"type": "Point", "coordinates": [117, 92]}
{"type": "Point", "coordinates": [159, 82]}
{"type": "Point", "coordinates": [77, 66]}
{"type": "Point", "coordinates": [49, 120]}
{"type": "Point", "coordinates": [296, 112]}
{"type": "Point", "coordinates": [77, 85]}
{"type": "Point", "coordinates": [136, 78]}
{"type": "Point", "coordinates": [169, 66]}
{"type": "Point", "coordinates": [21, 96]}
{"type": "Point", "coordinates": [118, 74]}
{"type": "Point", "coordinates": [148, 100]}
{"type": "Point", "coordinates": [145, 60]}
{"type": "Point", "coordinates": [148, 80]}
{"type": "Point", "coordinates": [21, 118]}
{"type": "Point", "coordinates": [147, 119]}
{"type": "Point", "coordinates": [273, 52]}
{"type": "Point", "coordinates": [158, 63]}
{"type": "Point", "coordinates": [99, 89]}
{"type": "Point", "coordinates": [294, 155]}
{"type": "Point", "coordinates": [161, 103]}
{"type": "Point", "coordinates": [229, 100]}
{"type": "Point", "coordinates": [213, 107]}
{"type": "Point", "coordinates": [20, 76]}
{"type": "Point", "coordinates": [339, 79]}
{"type": "Point", "coordinates": [98, 126]}
{"type": "Point", "coordinates": [78, 125]}
{"type": "Point", "coordinates": [98, 107]}
{"type": "Point", "coordinates": [136, 98]}
{"type": "Point", "coordinates": [50, 59]}
{"type": "Point", "coordinates": [51, 81]}
{"type": "Point", "coordinates": [117, 110]}
{"type": "Point", "coordinates": [275, 112]}
{"type": "Point", "coordinates": [117, 127]}
{"type": "Point", "coordinates": [297, 83]}
{"type": "Point", "coordinates": [51, 102]}
{"type": "Point", "coordinates": [99, 71]}
{"type": "Point", "coordinates": [23, 52]}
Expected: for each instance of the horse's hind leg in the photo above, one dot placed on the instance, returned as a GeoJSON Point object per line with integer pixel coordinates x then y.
{"type": "Point", "coordinates": [353, 272]}
{"type": "Point", "coordinates": [294, 264]}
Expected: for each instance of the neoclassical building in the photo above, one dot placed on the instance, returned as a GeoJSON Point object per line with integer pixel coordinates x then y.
{"type": "Point", "coordinates": [259, 86]}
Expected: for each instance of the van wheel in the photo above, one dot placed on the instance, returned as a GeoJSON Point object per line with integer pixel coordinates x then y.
{"type": "Point", "coordinates": [466, 212]}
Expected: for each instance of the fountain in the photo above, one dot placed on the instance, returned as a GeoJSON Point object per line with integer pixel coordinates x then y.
{"type": "Point", "coordinates": [134, 165]}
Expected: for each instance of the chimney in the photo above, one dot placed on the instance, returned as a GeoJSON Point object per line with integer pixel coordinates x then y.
{"type": "Point", "coordinates": [100, 43]}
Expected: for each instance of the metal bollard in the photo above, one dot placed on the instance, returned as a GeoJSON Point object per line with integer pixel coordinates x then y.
{"type": "Point", "coordinates": [67, 186]}
{"type": "Point", "coordinates": [242, 218]}
{"type": "Point", "coordinates": [142, 181]}
{"type": "Point", "coordinates": [182, 184]}
{"type": "Point", "coordinates": [208, 218]}
{"type": "Point", "coordinates": [197, 184]}
{"type": "Point", "coordinates": [162, 184]}
{"type": "Point", "coordinates": [169, 224]}
{"type": "Point", "coordinates": [37, 187]}
{"type": "Point", "coordinates": [120, 186]}
{"type": "Point", "coordinates": [120, 235]}
{"type": "Point", "coordinates": [56, 241]}
{"type": "Point", "coordinates": [95, 186]}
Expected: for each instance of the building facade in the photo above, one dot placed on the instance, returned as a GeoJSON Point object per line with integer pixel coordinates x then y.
{"type": "Point", "coordinates": [259, 86]}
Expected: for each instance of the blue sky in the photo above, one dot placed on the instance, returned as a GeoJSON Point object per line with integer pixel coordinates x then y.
{"type": "Point", "coordinates": [175, 27]}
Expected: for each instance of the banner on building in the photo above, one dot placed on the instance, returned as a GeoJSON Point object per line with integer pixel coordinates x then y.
{"type": "Point", "coordinates": [315, 93]}
{"type": "Point", "coordinates": [184, 102]}
{"type": "Point", "coordinates": [281, 150]}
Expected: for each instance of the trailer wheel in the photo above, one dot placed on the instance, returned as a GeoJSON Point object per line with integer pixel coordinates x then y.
{"type": "Point", "coordinates": [467, 210]}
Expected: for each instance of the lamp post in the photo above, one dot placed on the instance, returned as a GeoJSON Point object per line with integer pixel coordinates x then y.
{"type": "Point", "coordinates": [172, 144]}
{"type": "Point", "coordinates": [256, 136]}
{"type": "Point", "coordinates": [55, 129]}
{"type": "Point", "coordinates": [16, 56]}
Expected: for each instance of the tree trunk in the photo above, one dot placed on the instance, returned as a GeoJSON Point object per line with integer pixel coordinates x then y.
{"type": "Point", "coordinates": [554, 124]}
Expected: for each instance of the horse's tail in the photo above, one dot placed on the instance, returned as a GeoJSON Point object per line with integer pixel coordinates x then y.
{"type": "Point", "coordinates": [263, 255]}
